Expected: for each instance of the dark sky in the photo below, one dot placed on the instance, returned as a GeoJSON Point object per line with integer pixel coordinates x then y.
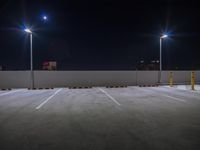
{"type": "Point", "coordinates": [100, 34]}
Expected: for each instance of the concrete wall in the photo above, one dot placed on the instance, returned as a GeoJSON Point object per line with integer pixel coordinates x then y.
{"type": "Point", "coordinates": [84, 78]}
{"type": "Point", "coordinates": [179, 77]}
{"type": "Point", "coordinates": [21, 79]}
{"type": "Point", "coordinates": [14, 79]}
{"type": "Point", "coordinates": [198, 77]}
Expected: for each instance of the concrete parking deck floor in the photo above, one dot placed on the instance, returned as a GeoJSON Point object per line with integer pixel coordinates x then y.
{"type": "Point", "coordinates": [133, 118]}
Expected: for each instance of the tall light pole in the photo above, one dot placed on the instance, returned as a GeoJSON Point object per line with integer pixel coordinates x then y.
{"type": "Point", "coordinates": [160, 71]}
{"type": "Point", "coordinates": [31, 56]}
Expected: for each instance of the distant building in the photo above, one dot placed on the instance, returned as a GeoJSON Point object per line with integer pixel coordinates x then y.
{"type": "Point", "coordinates": [152, 65]}
{"type": "Point", "coordinates": [1, 68]}
{"type": "Point", "coordinates": [49, 65]}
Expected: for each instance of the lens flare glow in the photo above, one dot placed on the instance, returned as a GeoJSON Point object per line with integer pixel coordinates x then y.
{"type": "Point", "coordinates": [164, 36]}
{"type": "Point", "coordinates": [27, 30]}
{"type": "Point", "coordinates": [45, 18]}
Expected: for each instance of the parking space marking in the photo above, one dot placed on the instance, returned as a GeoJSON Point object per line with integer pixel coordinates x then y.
{"type": "Point", "coordinates": [55, 93]}
{"type": "Point", "coordinates": [171, 97]}
{"type": "Point", "coordinates": [11, 92]}
{"type": "Point", "coordinates": [175, 98]}
{"type": "Point", "coordinates": [114, 100]}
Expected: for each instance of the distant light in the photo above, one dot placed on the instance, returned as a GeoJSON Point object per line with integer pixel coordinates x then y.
{"type": "Point", "coordinates": [164, 36]}
{"type": "Point", "coordinates": [45, 18]}
{"type": "Point", "coordinates": [142, 61]}
{"type": "Point", "coordinates": [27, 30]}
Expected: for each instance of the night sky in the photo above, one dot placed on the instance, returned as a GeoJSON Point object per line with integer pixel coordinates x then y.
{"type": "Point", "coordinates": [99, 34]}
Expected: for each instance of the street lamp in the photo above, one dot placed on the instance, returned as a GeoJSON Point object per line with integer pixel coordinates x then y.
{"type": "Point", "coordinates": [27, 30]}
{"type": "Point", "coordinates": [160, 72]}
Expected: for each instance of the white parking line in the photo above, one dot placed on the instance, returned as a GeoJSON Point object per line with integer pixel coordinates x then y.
{"type": "Point", "coordinates": [109, 96]}
{"type": "Point", "coordinates": [39, 106]}
{"type": "Point", "coordinates": [11, 92]}
{"type": "Point", "coordinates": [175, 98]}
{"type": "Point", "coordinates": [171, 97]}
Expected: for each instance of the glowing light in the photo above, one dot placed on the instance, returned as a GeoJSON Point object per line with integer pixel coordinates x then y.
{"type": "Point", "coordinates": [164, 36]}
{"type": "Point", "coordinates": [27, 30]}
{"type": "Point", "coordinates": [45, 18]}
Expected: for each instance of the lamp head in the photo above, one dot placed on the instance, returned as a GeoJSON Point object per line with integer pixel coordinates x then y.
{"type": "Point", "coordinates": [27, 30]}
{"type": "Point", "coordinates": [164, 36]}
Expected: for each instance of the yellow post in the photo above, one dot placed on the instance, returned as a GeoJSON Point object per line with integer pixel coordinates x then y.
{"type": "Point", "coordinates": [170, 79]}
{"type": "Point", "coordinates": [193, 80]}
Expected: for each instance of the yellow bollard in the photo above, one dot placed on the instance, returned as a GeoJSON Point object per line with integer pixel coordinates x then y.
{"type": "Point", "coordinates": [193, 80]}
{"type": "Point", "coordinates": [170, 79]}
